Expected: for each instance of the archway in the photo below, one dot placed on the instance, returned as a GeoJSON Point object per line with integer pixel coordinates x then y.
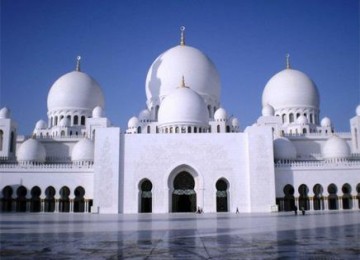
{"type": "Point", "coordinates": [346, 198]}
{"type": "Point", "coordinates": [64, 202]}
{"type": "Point", "coordinates": [184, 195]}
{"type": "Point", "coordinates": [289, 200]}
{"type": "Point", "coordinates": [358, 194]}
{"type": "Point", "coordinates": [221, 196]}
{"type": "Point", "coordinates": [79, 201]}
{"type": "Point", "coordinates": [304, 202]}
{"type": "Point", "coordinates": [318, 197]}
{"type": "Point", "coordinates": [35, 202]}
{"type": "Point", "coordinates": [7, 199]}
{"type": "Point", "coordinates": [21, 199]}
{"type": "Point", "coordinates": [333, 198]}
{"type": "Point", "coordinates": [145, 196]}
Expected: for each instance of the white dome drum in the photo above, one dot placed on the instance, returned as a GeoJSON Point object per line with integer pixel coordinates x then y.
{"type": "Point", "coordinates": [170, 66]}
{"type": "Point", "coordinates": [31, 151]}
{"type": "Point", "coordinates": [284, 149]}
{"type": "Point", "coordinates": [83, 151]}
{"type": "Point", "coordinates": [336, 148]}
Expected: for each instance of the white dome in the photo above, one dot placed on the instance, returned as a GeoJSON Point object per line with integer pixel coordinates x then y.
{"type": "Point", "coordinates": [358, 110]}
{"type": "Point", "coordinates": [335, 148]}
{"type": "Point", "coordinates": [290, 89]}
{"type": "Point", "coordinates": [326, 122]}
{"type": "Point", "coordinates": [31, 151]}
{"type": "Point", "coordinates": [4, 112]}
{"type": "Point", "coordinates": [184, 106]}
{"type": "Point", "coordinates": [284, 149]}
{"type": "Point", "coordinates": [199, 71]}
{"type": "Point", "coordinates": [144, 115]}
{"type": "Point", "coordinates": [75, 90]}
{"type": "Point", "coordinates": [235, 122]}
{"type": "Point", "coordinates": [302, 120]}
{"type": "Point", "coordinates": [41, 124]}
{"type": "Point", "coordinates": [83, 151]}
{"type": "Point", "coordinates": [267, 110]}
{"type": "Point", "coordinates": [64, 122]}
{"type": "Point", "coordinates": [97, 112]}
{"type": "Point", "coordinates": [220, 114]}
{"type": "Point", "coordinates": [133, 122]}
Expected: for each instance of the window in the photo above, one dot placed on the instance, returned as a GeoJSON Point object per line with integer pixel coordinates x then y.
{"type": "Point", "coordinates": [76, 120]}
{"type": "Point", "coordinates": [1, 139]}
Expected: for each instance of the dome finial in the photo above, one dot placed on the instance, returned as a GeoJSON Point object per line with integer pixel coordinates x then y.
{"type": "Point", "coordinates": [183, 82]}
{"type": "Point", "coordinates": [78, 58]}
{"type": "Point", "coordinates": [288, 61]}
{"type": "Point", "coordinates": [182, 37]}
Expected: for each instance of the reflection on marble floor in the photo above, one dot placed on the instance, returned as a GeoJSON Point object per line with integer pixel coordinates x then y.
{"type": "Point", "coordinates": [331, 235]}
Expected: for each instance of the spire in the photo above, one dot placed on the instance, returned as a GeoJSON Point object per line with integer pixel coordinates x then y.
{"type": "Point", "coordinates": [183, 82]}
{"type": "Point", "coordinates": [78, 58]}
{"type": "Point", "coordinates": [288, 61]}
{"type": "Point", "coordinates": [182, 36]}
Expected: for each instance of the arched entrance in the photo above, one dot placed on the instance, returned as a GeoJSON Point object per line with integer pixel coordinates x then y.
{"type": "Point", "coordinates": [64, 201]}
{"type": "Point", "coordinates": [21, 199]}
{"type": "Point", "coordinates": [145, 196]}
{"type": "Point", "coordinates": [79, 201]}
{"type": "Point", "coordinates": [304, 202]}
{"type": "Point", "coordinates": [184, 195]}
{"type": "Point", "coordinates": [289, 199]}
{"type": "Point", "coordinates": [318, 197]}
{"type": "Point", "coordinates": [333, 198]}
{"type": "Point", "coordinates": [35, 201]}
{"type": "Point", "coordinates": [7, 199]}
{"type": "Point", "coordinates": [346, 198]}
{"type": "Point", "coordinates": [49, 205]}
{"type": "Point", "coordinates": [221, 196]}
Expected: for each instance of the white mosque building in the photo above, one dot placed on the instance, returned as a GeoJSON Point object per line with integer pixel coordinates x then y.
{"type": "Point", "coordinates": [183, 152]}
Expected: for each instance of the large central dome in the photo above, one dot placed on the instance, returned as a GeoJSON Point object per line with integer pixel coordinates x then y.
{"type": "Point", "coordinates": [199, 71]}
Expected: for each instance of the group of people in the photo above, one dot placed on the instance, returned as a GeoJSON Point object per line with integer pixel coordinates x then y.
{"type": "Point", "coordinates": [296, 210]}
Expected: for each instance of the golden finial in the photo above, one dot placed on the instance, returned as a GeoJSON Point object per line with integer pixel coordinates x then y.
{"type": "Point", "coordinates": [78, 58]}
{"type": "Point", "coordinates": [288, 61]}
{"type": "Point", "coordinates": [182, 37]}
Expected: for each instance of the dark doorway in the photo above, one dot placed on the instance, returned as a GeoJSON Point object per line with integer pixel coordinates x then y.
{"type": "Point", "coordinates": [221, 196]}
{"type": "Point", "coordinates": [79, 201]}
{"type": "Point", "coordinates": [64, 202]}
{"type": "Point", "coordinates": [184, 196]}
{"type": "Point", "coordinates": [49, 204]}
{"type": "Point", "coordinates": [7, 199]}
{"type": "Point", "coordinates": [21, 199]}
{"type": "Point", "coordinates": [35, 202]}
{"type": "Point", "coordinates": [146, 197]}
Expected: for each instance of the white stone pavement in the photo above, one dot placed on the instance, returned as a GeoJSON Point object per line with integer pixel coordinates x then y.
{"type": "Point", "coordinates": [325, 235]}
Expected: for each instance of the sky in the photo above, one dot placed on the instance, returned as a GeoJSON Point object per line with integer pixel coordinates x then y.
{"type": "Point", "coordinates": [119, 40]}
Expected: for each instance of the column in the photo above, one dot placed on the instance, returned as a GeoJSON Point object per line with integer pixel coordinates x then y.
{"type": "Point", "coordinates": [42, 205]}
{"type": "Point", "coordinates": [340, 202]}
{"type": "Point", "coordinates": [56, 205]}
{"type": "Point", "coordinates": [326, 203]}
{"type": "Point", "coordinates": [71, 205]}
{"type": "Point", "coordinates": [311, 201]}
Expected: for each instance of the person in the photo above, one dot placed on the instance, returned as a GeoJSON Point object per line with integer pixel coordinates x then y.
{"type": "Point", "coordinates": [295, 210]}
{"type": "Point", "coordinates": [237, 210]}
{"type": "Point", "coordinates": [303, 210]}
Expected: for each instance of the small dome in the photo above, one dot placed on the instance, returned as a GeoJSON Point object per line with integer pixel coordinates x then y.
{"type": "Point", "coordinates": [290, 89]}
{"type": "Point", "coordinates": [284, 149]}
{"type": "Point", "coordinates": [358, 110]}
{"type": "Point", "coordinates": [199, 71]}
{"type": "Point", "coordinates": [220, 114]}
{"type": "Point", "coordinates": [325, 122]}
{"type": "Point", "coordinates": [302, 120]}
{"type": "Point", "coordinates": [335, 148]}
{"type": "Point", "coordinates": [64, 122]}
{"type": "Point", "coordinates": [97, 112]}
{"type": "Point", "coordinates": [4, 112]}
{"type": "Point", "coordinates": [144, 115]}
{"type": "Point", "coordinates": [75, 90]}
{"type": "Point", "coordinates": [268, 110]}
{"type": "Point", "coordinates": [31, 151]}
{"type": "Point", "coordinates": [41, 124]}
{"type": "Point", "coordinates": [133, 122]}
{"type": "Point", "coordinates": [184, 106]}
{"type": "Point", "coordinates": [83, 151]}
{"type": "Point", "coordinates": [235, 122]}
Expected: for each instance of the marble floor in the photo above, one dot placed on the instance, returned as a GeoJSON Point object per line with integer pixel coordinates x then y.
{"type": "Point", "coordinates": [320, 235]}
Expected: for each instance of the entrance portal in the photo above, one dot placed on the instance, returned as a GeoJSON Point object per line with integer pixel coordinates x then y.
{"type": "Point", "coordinates": [184, 195]}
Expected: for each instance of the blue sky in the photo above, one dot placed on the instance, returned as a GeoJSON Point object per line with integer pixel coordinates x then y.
{"type": "Point", "coordinates": [118, 41]}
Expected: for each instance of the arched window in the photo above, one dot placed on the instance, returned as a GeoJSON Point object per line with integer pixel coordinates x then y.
{"type": "Point", "coordinates": [289, 199]}
{"type": "Point", "coordinates": [358, 194]}
{"type": "Point", "coordinates": [139, 129]}
{"type": "Point", "coordinates": [145, 196]}
{"type": "Point", "coordinates": [176, 129]}
{"type": "Point", "coordinates": [346, 198]}
{"type": "Point", "coordinates": [148, 129]}
{"type": "Point", "coordinates": [76, 120]}
{"type": "Point", "coordinates": [195, 130]}
{"type": "Point", "coordinates": [62, 133]}
{"type": "Point", "coordinates": [56, 120]}
{"type": "Point", "coordinates": [311, 118]}
{"type": "Point", "coordinates": [318, 197]}
{"type": "Point", "coordinates": [189, 129]}
{"type": "Point", "coordinates": [227, 129]}
{"type": "Point", "coordinates": [35, 201]}
{"type": "Point", "coordinates": [304, 131]}
{"type": "Point", "coordinates": [333, 198]}
{"type": "Point", "coordinates": [82, 120]}
{"type": "Point", "coordinates": [1, 139]}
{"type": "Point", "coordinates": [218, 128]}
{"type": "Point", "coordinates": [291, 117]}
{"type": "Point", "coordinates": [297, 115]}
{"type": "Point", "coordinates": [64, 201]}
{"type": "Point", "coordinates": [283, 117]}
{"type": "Point", "coordinates": [156, 112]}
{"type": "Point", "coordinates": [221, 196]}
{"type": "Point", "coordinates": [209, 110]}
{"type": "Point", "coordinates": [12, 142]}
{"type": "Point", "coordinates": [79, 201]}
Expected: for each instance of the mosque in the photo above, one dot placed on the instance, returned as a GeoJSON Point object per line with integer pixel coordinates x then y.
{"type": "Point", "coordinates": [183, 152]}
